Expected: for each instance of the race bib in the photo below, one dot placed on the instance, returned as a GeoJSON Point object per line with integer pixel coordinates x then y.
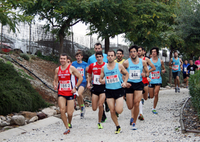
{"type": "Point", "coordinates": [175, 67]}
{"type": "Point", "coordinates": [134, 74]}
{"type": "Point", "coordinates": [96, 80]}
{"type": "Point", "coordinates": [112, 79]}
{"type": "Point", "coordinates": [81, 71]}
{"type": "Point", "coordinates": [155, 75]}
{"type": "Point", "coordinates": [65, 85]}
{"type": "Point", "coordinates": [191, 72]}
{"type": "Point", "coordinates": [185, 69]}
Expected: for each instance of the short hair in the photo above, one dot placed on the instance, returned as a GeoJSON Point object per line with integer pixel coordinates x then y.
{"type": "Point", "coordinates": [185, 60]}
{"type": "Point", "coordinates": [155, 48]}
{"type": "Point", "coordinates": [191, 59]}
{"type": "Point", "coordinates": [79, 52]}
{"type": "Point", "coordinates": [133, 46]}
{"type": "Point", "coordinates": [69, 58]}
{"type": "Point", "coordinates": [141, 47]}
{"type": "Point", "coordinates": [63, 54]}
{"type": "Point", "coordinates": [112, 51]}
{"type": "Point", "coordinates": [120, 50]}
{"type": "Point", "coordinates": [99, 53]}
{"type": "Point", "coordinates": [175, 51]}
{"type": "Point", "coordinates": [97, 44]}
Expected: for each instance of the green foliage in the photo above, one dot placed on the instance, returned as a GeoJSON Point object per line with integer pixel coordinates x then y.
{"type": "Point", "coordinates": [9, 63]}
{"type": "Point", "coordinates": [17, 94]}
{"type": "Point", "coordinates": [23, 74]}
{"type": "Point", "coordinates": [194, 88]}
{"type": "Point", "coordinates": [52, 58]}
{"type": "Point", "coordinates": [25, 56]}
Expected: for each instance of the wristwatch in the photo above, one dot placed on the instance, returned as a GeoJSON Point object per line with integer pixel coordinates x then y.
{"type": "Point", "coordinates": [76, 87]}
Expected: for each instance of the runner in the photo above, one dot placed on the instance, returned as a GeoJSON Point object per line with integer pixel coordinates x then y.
{"type": "Point", "coordinates": [62, 83]}
{"type": "Point", "coordinates": [176, 65]}
{"type": "Point", "coordinates": [135, 66]}
{"type": "Point", "coordinates": [197, 62]}
{"type": "Point", "coordinates": [185, 76]}
{"type": "Point", "coordinates": [145, 80]}
{"type": "Point", "coordinates": [114, 83]}
{"type": "Point", "coordinates": [98, 90]}
{"type": "Point", "coordinates": [191, 68]}
{"type": "Point", "coordinates": [92, 59]}
{"type": "Point", "coordinates": [120, 55]}
{"type": "Point", "coordinates": [155, 76]}
{"type": "Point", "coordinates": [80, 66]}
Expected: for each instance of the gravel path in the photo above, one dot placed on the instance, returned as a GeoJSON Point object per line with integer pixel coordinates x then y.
{"type": "Point", "coordinates": [162, 127]}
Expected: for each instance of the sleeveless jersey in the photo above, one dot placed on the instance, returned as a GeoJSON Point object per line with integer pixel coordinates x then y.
{"type": "Point", "coordinates": [81, 68]}
{"type": "Point", "coordinates": [144, 79]}
{"type": "Point", "coordinates": [95, 70]}
{"type": "Point", "coordinates": [65, 85]}
{"type": "Point", "coordinates": [135, 71]}
{"type": "Point", "coordinates": [113, 78]}
{"type": "Point", "coordinates": [176, 67]}
{"type": "Point", "coordinates": [156, 74]}
{"type": "Point", "coordinates": [120, 62]}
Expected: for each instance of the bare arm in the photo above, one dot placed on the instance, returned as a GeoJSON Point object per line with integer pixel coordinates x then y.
{"type": "Point", "coordinates": [145, 69]}
{"type": "Point", "coordinates": [153, 68]}
{"type": "Point", "coordinates": [101, 80]}
{"type": "Point", "coordinates": [125, 64]}
{"type": "Point", "coordinates": [125, 75]}
{"type": "Point", "coordinates": [170, 63]}
{"type": "Point", "coordinates": [55, 81]}
{"type": "Point", "coordinates": [89, 80]}
{"type": "Point", "coordinates": [163, 66]}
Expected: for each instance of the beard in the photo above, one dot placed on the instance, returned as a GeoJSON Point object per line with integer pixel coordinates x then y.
{"type": "Point", "coordinates": [133, 57]}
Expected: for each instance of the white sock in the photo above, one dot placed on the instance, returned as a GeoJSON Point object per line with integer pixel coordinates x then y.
{"type": "Point", "coordinates": [140, 107]}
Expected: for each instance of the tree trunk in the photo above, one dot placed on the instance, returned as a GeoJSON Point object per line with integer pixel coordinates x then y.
{"type": "Point", "coordinates": [61, 37]}
{"type": "Point", "coordinates": [53, 49]}
{"type": "Point", "coordinates": [107, 44]}
{"type": "Point", "coordinates": [1, 36]}
{"type": "Point", "coordinates": [170, 70]}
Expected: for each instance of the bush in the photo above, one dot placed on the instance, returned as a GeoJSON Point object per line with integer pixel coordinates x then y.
{"type": "Point", "coordinates": [17, 94]}
{"type": "Point", "coordinates": [52, 58]}
{"type": "Point", "coordinates": [194, 88]}
{"type": "Point", "coordinates": [25, 56]}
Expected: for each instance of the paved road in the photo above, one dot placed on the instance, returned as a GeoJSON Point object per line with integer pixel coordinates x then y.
{"type": "Point", "coordinates": [162, 127]}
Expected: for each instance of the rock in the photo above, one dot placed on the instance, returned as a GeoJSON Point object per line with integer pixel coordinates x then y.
{"type": "Point", "coordinates": [53, 107]}
{"type": "Point", "coordinates": [4, 123]}
{"type": "Point", "coordinates": [3, 118]}
{"type": "Point", "coordinates": [7, 127]}
{"type": "Point", "coordinates": [49, 111]}
{"type": "Point", "coordinates": [27, 114]}
{"type": "Point", "coordinates": [41, 115]}
{"type": "Point", "coordinates": [18, 119]}
{"type": "Point", "coordinates": [33, 119]}
{"type": "Point", "coordinates": [168, 87]}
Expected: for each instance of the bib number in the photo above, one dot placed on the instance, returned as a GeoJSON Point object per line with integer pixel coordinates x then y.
{"type": "Point", "coordinates": [96, 79]}
{"type": "Point", "coordinates": [191, 72]}
{"type": "Point", "coordinates": [81, 71]}
{"type": "Point", "coordinates": [134, 74]}
{"type": "Point", "coordinates": [65, 85]}
{"type": "Point", "coordinates": [185, 69]}
{"type": "Point", "coordinates": [155, 75]}
{"type": "Point", "coordinates": [175, 67]}
{"type": "Point", "coordinates": [112, 79]}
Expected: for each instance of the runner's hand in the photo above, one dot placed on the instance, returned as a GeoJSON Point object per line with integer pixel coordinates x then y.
{"type": "Point", "coordinates": [149, 80]}
{"type": "Point", "coordinates": [73, 90]}
{"type": "Point", "coordinates": [143, 74]}
{"type": "Point", "coordinates": [163, 71]}
{"type": "Point", "coordinates": [128, 85]}
{"type": "Point", "coordinates": [124, 85]}
{"type": "Point", "coordinates": [88, 86]}
{"type": "Point", "coordinates": [55, 87]}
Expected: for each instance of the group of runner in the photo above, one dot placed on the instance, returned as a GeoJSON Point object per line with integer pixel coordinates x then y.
{"type": "Point", "coordinates": [111, 81]}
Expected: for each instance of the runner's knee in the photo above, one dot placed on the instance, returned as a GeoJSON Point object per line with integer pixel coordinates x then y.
{"type": "Point", "coordinates": [62, 110]}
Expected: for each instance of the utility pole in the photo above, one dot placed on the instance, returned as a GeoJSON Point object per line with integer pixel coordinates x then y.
{"type": "Point", "coordinates": [1, 35]}
{"type": "Point", "coordinates": [30, 38]}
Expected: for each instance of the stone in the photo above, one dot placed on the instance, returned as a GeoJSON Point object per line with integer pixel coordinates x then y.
{"type": "Point", "coordinates": [18, 119]}
{"type": "Point", "coordinates": [27, 114]}
{"type": "Point", "coordinates": [4, 123]}
{"type": "Point", "coordinates": [168, 87]}
{"type": "Point", "coordinates": [7, 127]}
{"type": "Point", "coordinates": [41, 115]}
{"type": "Point", "coordinates": [49, 111]}
{"type": "Point", "coordinates": [3, 118]}
{"type": "Point", "coordinates": [53, 107]}
{"type": "Point", "coordinates": [33, 119]}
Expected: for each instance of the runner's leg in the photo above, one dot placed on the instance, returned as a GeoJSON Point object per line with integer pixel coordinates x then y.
{"type": "Point", "coordinates": [129, 100]}
{"type": "Point", "coordinates": [80, 97]}
{"type": "Point", "coordinates": [95, 99]}
{"type": "Point", "coordinates": [151, 92]}
{"type": "Point", "coordinates": [101, 101]}
{"type": "Point", "coordinates": [157, 88]}
{"type": "Point", "coordinates": [137, 99]}
{"type": "Point", "coordinates": [145, 95]}
{"type": "Point", "coordinates": [70, 110]}
{"type": "Point", "coordinates": [62, 106]}
{"type": "Point", "coordinates": [111, 105]}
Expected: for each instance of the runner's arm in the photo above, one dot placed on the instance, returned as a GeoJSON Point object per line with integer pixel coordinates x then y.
{"type": "Point", "coordinates": [163, 66]}
{"type": "Point", "coordinates": [55, 81]}
{"type": "Point", "coordinates": [124, 72]}
{"type": "Point", "coordinates": [153, 68]}
{"type": "Point", "coordinates": [170, 63]}
{"type": "Point", "coordinates": [125, 64]}
{"type": "Point", "coordinates": [145, 69]}
{"type": "Point", "coordinates": [101, 80]}
{"type": "Point", "coordinates": [77, 74]}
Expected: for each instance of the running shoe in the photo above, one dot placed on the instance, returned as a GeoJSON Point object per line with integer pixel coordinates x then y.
{"type": "Point", "coordinates": [103, 119]}
{"type": "Point", "coordinates": [175, 90]}
{"type": "Point", "coordinates": [141, 117]}
{"type": "Point", "coordinates": [131, 121]}
{"type": "Point", "coordinates": [106, 107]}
{"type": "Point", "coordinates": [70, 125]}
{"type": "Point", "coordinates": [118, 130]}
{"type": "Point", "coordinates": [82, 112]}
{"type": "Point", "coordinates": [67, 131]}
{"type": "Point", "coordinates": [154, 111]}
{"type": "Point", "coordinates": [142, 101]}
{"type": "Point", "coordinates": [117, 114]}
{"type": "Point", "coordinates": [134, 127]}
{"type": "Point", "coordinates": [100, 126]}
{"type": "Point", "coordinates": [178, 90]}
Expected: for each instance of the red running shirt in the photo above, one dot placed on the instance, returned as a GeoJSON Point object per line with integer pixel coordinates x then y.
{"type": "Point", "coordinates": [95, 70]}
{"type": "Point", "coordinates": [144, 79]}
{"type": "Point", "coordinates": [64, 79]}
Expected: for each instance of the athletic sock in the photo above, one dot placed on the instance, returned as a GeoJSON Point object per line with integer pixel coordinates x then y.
{"type": "Point", "coordinates": [117, 127]}
{"type": "Point", "coordinates": [140, 107]}
{"type": "Point", "coordinates": [82, 105]}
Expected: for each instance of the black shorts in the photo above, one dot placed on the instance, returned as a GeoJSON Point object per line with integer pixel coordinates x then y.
{"type": "Point", "coordinates": [67, 97]}
{"type": "Point", "coordinates": [175, 74]}
{"type": "Point", "coordinates": [135, 87]}
{"type": "Point", "coordinates": [153, 85]}
{"type": "Point", "coordinates": [185, 75]}
{"type": "Point", "coordinates": [98, 89]}
{"type": "Point", "coordinates": [118, 93]}
{"type": "Point", "coordinates": [146, 84]}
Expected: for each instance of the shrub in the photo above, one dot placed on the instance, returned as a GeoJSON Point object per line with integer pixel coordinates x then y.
{"type": "Point", "coordinates": [17, 94]}
{"type": "Point", "coordinates": [194, 88]}
{"type": "Point", "coordinates": [25, 56]}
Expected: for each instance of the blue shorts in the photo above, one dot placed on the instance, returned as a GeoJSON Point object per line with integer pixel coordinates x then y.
{"type": "Point", "coordinates": [83, 84]}
{"type": "Point", "coordinates": [153, 85]}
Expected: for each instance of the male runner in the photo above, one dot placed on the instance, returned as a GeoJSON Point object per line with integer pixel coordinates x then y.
{"type": "Point", "coordinates": [81, 66]}
{"type": "Point", "coordinates": [197, 62]}
{"type": "Point", "coordinates": [191, 68]}
{"type": "Point", "coordinates": [120, 55]}
{"type": "Point", "coordinates": [92, 59]}
{"type": "Point", "coordinates": [155, 76]}
{"type": "Point", "coordinates": [98, 90]}
{"type": "Point", "coordinates": [185, 76]}
{"type": "Point", "coordinates": [114, 83]}
{"type": "Point", "coordinates": [62, 82]}
{"type": "Point", "coordinates": [176, 65]}
{"type": "Point", "coordinates": [135, 66]}
{"type": "Point", "coordinates": [145, 80]}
